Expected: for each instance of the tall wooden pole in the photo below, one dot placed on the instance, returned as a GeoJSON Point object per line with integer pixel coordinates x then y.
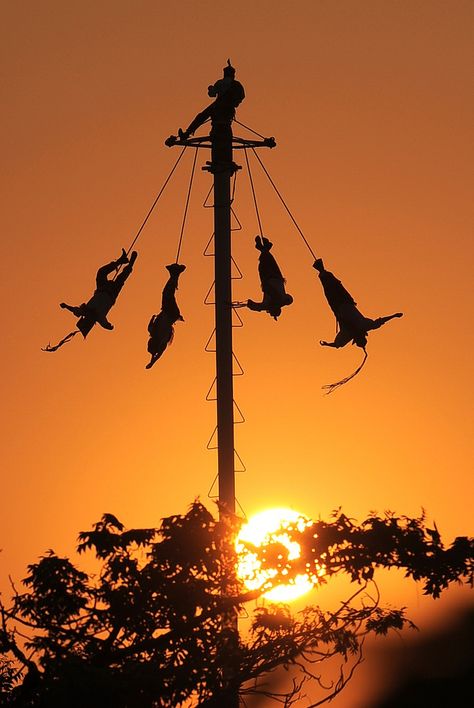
{"type": "Point", "coordinates": [222, 168]}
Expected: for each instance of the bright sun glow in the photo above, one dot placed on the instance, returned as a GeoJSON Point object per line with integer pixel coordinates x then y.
{"type": "Point", "coordinates": [266, 528]}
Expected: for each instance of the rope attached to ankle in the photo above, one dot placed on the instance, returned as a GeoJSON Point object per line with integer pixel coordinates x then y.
{"type": "Point", "coordinates": [156, 200]}
{"type": "Point", "coordinates": [69, 336]}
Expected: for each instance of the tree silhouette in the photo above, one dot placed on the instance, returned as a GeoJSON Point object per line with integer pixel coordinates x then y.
{"type": "Point", "coordinates": [150, 628]}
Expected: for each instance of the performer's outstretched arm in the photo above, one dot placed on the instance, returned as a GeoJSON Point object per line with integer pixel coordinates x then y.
{"type": "Point", "coordinates": [382, 320]}
{"type": "Point", "coordinates": [77, 311]}
{"type": "Point", "coordinates": [340, 340]}
{"type": "Point", "coordinates": [327, 344]}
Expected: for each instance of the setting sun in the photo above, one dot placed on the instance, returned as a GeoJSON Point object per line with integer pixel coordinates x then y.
{"type": "Point", "coordinates": [263, 529]}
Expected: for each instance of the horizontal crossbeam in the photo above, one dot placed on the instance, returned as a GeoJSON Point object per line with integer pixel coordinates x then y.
{"type": "Point", "coordinates": [205, 142]}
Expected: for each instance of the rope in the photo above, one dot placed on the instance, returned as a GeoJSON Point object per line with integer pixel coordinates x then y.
{"type": "Point", "coordinates": [186, 207]}
{"type": "Point", "coordinates": [156, 201]}
{"type": "Point", "coordinates": [65, 339]}
{"type": "Point", "coordinates": [151, 208]}
{"type": "Point", "coordinates": [253, 193]}
{"type": "Point", "coordinates": [234, 184]}
{"type": "Point", "coordinates": [69, 336]}
{"type": "Point", "coordinates": [328, 387]}
{"type": "Point", "coordinates": [247, 128]}
{"type": "Point", "coordinates": [284, 204]}
{"type": "Point", "coordinates": [332, 387]}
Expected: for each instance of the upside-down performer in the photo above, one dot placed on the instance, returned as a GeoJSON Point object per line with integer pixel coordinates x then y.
{"type": "Point", "coordinates": [272, 281]}
{"type": "Point", "coordinates": [104, 297]}
{"type": "Point", "coordinates": [161, 326]}
{"type": "Point", "coordinates": [353, 326]}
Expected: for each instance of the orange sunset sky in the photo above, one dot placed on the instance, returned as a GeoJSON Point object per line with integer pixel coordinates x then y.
{"type": "Point", "coordinates": [370, 102]}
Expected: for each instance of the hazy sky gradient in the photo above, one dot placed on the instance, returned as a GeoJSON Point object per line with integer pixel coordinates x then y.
{"type": "Point", "coordinates": [371, 107]}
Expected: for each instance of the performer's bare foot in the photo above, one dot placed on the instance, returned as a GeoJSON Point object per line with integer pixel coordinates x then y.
{"type": "Point", "coordinates": [123, 258]}
{"type": "Point", "coordinates": [318, 264]}
{"type": "Point", "coordinates": [175, 268]}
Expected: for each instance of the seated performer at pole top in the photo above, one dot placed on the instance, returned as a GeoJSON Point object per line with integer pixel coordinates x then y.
{"type": "Point", "coordinates": [161, 326]}
{"type": "Point", "coordinates": [353, 326]}
{"type": "Point", "coordinates": [105, 295]}
{"type": "Point", "coordinates": [229, 94]}
{"type": "Point", "coordinates": [272, 282]}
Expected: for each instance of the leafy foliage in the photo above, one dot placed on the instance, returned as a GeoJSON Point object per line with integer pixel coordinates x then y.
{"type": "Point", "coordinates": [343, 546]}
{"type": "Point", "coordinates": [156, 628]}
{"type": "Point", "coordinates": [7, 679]}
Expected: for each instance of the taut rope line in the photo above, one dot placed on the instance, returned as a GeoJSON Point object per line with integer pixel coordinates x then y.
{"type": "Point", "coordinates": [253, 193]}
{"type": "Point", "coordinates": [156, 200]}
{"type": "Point", "coordinates": [186, 207]}
{"type": "Point", "coordinates": [250, 129]}
{"type": "Point", "coordinates": [284, 203]}
{"type": "Point", "coordinates": [72, 334]}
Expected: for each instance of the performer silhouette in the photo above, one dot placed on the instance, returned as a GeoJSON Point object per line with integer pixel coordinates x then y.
{"type": "Point", "coordinates": [161, 326]}
{"type": "Point", "coordinates": [272, 281]}
{"type": "Point", "coordinates": [353, 325]}
{"type": "Point", "coordinates": [105, 295]}
{"type": "Point", "coordinates": [228, 92]}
